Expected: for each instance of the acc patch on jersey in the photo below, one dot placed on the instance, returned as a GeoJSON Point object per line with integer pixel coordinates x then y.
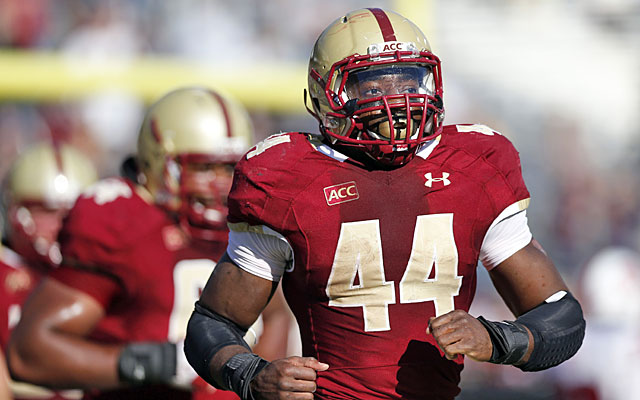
{"type": "Point", "coordinates": [341, 193]}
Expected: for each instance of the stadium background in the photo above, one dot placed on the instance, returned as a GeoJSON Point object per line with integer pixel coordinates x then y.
{"type": "Point", "coordinates": [559, 78]}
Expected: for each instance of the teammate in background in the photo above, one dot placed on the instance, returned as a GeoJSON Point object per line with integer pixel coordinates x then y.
{"type": "Point", "coordinates": [376, 227]}
{"type": "Point", "coordinates": [40, 188]}
{"type": "Point", "coordinates": [136, 254]}
{"type": "Point", "coordinates": [607, 367]}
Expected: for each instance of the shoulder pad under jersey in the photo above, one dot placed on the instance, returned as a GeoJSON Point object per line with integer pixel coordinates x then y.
{"type": "Point", "coordinates": [111, 213]}
{"type": "Point", "coordinates": [271, 174]}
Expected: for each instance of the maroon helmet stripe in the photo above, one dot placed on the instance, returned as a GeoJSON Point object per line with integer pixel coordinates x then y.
{"type": "Point", "coordinates": [155, 132]}
{"type": "Point", "coordinates": [57, 152]}
{"type": "Point", "coordinates": [225, 111]}
{"type": "Point", "coordinates": [385, 25]}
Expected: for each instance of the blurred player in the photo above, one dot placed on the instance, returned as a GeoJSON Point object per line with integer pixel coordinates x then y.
{"type": "Point", "coordinates": [42, 185]}
{"type": "Point", "coordinates": [608, 365]}
{"type": "Point", "coordinates": [136, 254]}
{"type": "Point", "coordinates": [376, 227]}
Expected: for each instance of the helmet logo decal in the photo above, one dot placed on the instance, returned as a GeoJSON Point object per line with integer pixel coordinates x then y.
{"type": "Point", "coordinates": [391, 46]}
{"type": "Point", "coordinates": [385, 25]}
{"type": "Point", "coordinates": [341, 193]}
{"type": "Point", "coordinates": [430, 179]}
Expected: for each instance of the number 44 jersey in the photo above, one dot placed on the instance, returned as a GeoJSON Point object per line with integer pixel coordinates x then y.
{"type": "Point", "coordinates": [376, 253]}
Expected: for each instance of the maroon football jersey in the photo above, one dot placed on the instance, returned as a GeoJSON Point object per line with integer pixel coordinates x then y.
{"type": "Point", "coordinates": [131, 257]}
{"type": "Point", "coordinates": [17, 280]}
{"type": "Point", "coordinates": [377, 253]}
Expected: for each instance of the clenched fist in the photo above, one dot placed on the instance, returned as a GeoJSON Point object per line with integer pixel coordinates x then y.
{"type": "Point", "coordinates": [288, 378]}
{"type": "Point", "coordinates": [457, 332]}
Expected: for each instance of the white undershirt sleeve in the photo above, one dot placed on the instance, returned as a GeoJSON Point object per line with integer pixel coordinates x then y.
{"type": "Point", "coordinates": [504, 238]}
{"type": "Point", "coordinates": [266, 254]}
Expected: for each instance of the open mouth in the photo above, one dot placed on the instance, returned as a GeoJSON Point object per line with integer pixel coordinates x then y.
{"type": "Point", "coordinates": [377, 124]}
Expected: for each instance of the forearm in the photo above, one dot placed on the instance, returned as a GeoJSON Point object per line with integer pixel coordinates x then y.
{"type": "Point", "coordinates": [277, 320]}
{"type": "Point", "coordinates": [64, 361]}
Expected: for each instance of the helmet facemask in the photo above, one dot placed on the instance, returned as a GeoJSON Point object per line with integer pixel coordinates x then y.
{"type": "Point", "coordinates": [195, 190]}
{"type": "Point", "coordinates": [385, 104]}
{"type": "Point", "coordinates": [33, 231]}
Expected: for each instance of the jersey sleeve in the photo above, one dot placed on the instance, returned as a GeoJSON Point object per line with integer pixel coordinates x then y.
{"type": "Point", "coordinates": [506, 195]}
{"type": "Point", "coordinates": [506, 188]}
{"type": "Point", "coordinates": [266, 184]}
{"type": "Point", "coordinates": [263, 187]}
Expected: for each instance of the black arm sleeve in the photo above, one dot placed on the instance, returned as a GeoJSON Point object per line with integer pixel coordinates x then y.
{"type": "Point", "coordinates": [208, 332]}
{"type": "Point", "coordinates": [557, 327]}
{"type": "Point", "coordinates": [558, 330]}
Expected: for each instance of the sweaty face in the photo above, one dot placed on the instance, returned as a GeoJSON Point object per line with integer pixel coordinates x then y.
{"type": "Point", "coordinates": [397, 84]}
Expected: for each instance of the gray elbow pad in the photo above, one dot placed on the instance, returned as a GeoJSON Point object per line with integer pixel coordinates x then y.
{"type": "Point", "coordinates": [558, 330]}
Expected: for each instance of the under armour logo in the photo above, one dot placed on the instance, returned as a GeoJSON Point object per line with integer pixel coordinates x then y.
{"type": "Point", "coordinates": [430, 179]}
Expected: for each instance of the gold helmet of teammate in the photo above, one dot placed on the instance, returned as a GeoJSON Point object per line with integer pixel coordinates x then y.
{"type": "Point", "coordinates": [42, 185]}
{"type": "Point", "coordinates": [188, 144]}
{"type": "Point", "coordinates": [375, 85]}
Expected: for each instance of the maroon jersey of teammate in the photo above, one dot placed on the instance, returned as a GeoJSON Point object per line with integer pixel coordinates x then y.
{"type": "Point", "coordinates": [131, 257]}
{"type": "Point", "coordinates": [17, 280]}
{"type": "Point", "coordinates": [379, 252]}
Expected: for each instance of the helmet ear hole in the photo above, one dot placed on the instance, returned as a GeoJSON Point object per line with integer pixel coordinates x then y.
{"type": "Point", "coordinates": [130, 169]}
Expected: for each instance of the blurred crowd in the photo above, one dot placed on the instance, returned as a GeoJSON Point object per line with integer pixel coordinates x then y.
{"type": "Point", "coordinates": [570, 108]}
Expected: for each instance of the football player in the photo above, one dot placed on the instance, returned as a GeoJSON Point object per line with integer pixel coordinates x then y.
{"type": "Point", "coordinates": [609, 287]}
{"type": "Point", "coordinates": [41, 187]}
{"type": "Point", "coordinates": [376, 227]}
{"type": "Point", "coordinates": [135, 256]}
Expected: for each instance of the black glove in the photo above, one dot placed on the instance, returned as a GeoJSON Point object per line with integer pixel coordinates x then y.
{"type": "Point", "coordinates": [147, 362]}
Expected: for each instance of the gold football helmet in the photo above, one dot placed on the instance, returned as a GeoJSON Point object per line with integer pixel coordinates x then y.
{"type": "Point", "coordinates": [188, 144]}
{"type": "Point", "coordinates": [376, 86]}
{"type": "Point", "coordinates": [42, 185]}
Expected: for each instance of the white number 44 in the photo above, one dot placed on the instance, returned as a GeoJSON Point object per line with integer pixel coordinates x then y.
{"type": "Point", "coordinates": [359, 254]}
